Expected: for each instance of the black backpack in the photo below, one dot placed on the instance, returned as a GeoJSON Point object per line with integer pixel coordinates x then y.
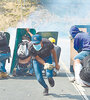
{"type": "Point", "coordinates": [85, 72]}
{"type": "Point", "coordinates": [4, 43]}
{"type": "Point", "coordinates": [3, 39]}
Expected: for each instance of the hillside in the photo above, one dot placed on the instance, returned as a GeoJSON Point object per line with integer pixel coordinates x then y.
{"type": "Point", "coordinates": [11, 12]}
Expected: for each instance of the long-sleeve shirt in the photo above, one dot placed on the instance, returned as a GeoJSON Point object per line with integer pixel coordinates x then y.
{"type": "Point", "coordinates": [82, 42]}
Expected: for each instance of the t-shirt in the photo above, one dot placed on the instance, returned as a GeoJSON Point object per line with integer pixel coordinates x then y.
{"type": "Point", "coordinates": [45, 50]}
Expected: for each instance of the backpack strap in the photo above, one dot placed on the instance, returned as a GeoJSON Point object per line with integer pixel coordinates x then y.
{"type": "Point", "coordinates": [8, 60]}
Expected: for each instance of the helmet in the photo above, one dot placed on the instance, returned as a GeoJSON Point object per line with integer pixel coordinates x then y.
{"type": "Point", "coordinates": [74, 31]}
{"type": "Point", "coordinates": [52, 40]}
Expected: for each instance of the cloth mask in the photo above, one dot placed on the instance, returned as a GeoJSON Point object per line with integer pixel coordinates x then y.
{"type": "Point", "coordinates": [37, 47]}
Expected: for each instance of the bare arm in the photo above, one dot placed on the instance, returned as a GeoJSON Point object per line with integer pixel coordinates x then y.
{"type": "Point", "coordinates": [27, 29]}
{"type": "Point", "coordinates": [40, 60]}
{"type": "Point", "coordinates": [55, 59]}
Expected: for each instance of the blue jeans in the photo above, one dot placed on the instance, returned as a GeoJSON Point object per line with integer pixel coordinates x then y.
{"type": "Point", "coordinates": [82, 55]}
{"type": "Point", "coordinates": [38, 70]}
{"type": "Point", "coordinates": [3, 58]}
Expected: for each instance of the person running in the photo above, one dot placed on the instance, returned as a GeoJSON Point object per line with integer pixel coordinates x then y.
{"type": "Point", "coordinates": [82, 46]}
{"type": "Point", "coordinates": [41, 50]}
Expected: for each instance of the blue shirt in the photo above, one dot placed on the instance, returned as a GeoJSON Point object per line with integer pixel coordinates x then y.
{"type": "Point", "coordinates": [82, 42]}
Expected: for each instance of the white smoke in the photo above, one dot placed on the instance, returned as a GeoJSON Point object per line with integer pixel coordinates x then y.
{"type": "Point", "coordinates": [56, 15]}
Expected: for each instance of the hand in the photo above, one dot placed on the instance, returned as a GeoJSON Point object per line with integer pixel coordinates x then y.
{"type": "Point", "coordinates": [27, 29]}
{"type": "Point", "coordinates": [57, 67]}
{"type": "Point", "coordinates": [48, 66]}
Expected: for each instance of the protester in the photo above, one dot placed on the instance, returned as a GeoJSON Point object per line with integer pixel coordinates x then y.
{"type": "Point", "coordinates": [58, 51]}
{"type": "Point", "coordinates": [24, 63]}
{"type": "Point", "coordinates": [82, 46]}
{"type": "Point", "coordinates": [4, 53]}
{"type": "Point", "coordinates": [41, 50]}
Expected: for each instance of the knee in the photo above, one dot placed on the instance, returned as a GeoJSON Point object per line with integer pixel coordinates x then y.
{"type": "Point", "coordinates": [77, 61]}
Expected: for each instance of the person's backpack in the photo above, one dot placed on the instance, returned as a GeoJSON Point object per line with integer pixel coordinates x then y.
{"type": "Point", "coordinates": [85, 72]}
{"type": "Point", "coordinates": [23, 51]}
{"type": "Point", "coordinates": [3, 39]}
{"type": "Point", "coordinates": [4, 44]}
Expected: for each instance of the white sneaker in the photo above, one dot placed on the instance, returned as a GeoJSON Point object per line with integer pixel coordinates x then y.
{"type": "Point", "coordinates": [79, 83]}
{"type": "Point", "coordinates": [72, 79]}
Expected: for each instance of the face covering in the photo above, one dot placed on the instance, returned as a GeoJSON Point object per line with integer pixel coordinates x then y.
{"type": "Point", "coordinates": [37, 47]}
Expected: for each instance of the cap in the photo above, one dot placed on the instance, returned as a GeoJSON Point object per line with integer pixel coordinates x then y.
{"type": "Point", "coordinates": [52, 40]}
{"type": "Point", "coordinates": [36, 39]}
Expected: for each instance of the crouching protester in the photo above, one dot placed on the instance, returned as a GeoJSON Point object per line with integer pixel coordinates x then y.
{"type": "Point", "coordinates": [41, 50]}
{"type": "Point", "coordinates": [24, 62]}
{"type": "Point", "coordinates": [82, 46]}
{"type": "Point", "coordinates": [4, 54]}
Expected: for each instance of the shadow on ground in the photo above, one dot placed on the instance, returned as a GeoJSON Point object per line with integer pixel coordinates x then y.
{"type": "Point", "coordinates": [69, 96]}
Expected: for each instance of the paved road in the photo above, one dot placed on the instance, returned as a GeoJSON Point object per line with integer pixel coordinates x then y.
{"type": "Point", "coordinates": [27, 88]}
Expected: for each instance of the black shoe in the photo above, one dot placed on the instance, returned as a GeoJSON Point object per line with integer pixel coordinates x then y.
{"type": "Point", "coordinates": [51, 82]}
{"type": "Point", "coordinates": [45, 92]}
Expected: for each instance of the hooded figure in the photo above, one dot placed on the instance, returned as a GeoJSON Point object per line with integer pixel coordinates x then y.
{"type": "Point", "coordinates": [82, 46]}
{"type": "Point", "coordinates": [74, 30]}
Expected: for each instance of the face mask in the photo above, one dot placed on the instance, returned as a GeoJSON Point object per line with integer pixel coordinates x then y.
{"type": "Point", "coordinates": [37, 47]}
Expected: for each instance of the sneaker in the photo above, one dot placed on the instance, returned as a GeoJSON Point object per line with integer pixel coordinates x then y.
{"type": "Point", "coordinates": [79, 83]}
{"type": "Point", "coordinates": [29, 74]}
{"type": "Point", "coordinates": [4, 75]}
{"type": "Point", "coordinates": [72, 79]}
{"type": "Point", "coordinates": [45, 92]}
{"type": "Point", "coordinates": [0, 75]}
{"type": "Point", "coordinates": [14, 72]}
{"type": "Point", "coordinates": [51, 82]}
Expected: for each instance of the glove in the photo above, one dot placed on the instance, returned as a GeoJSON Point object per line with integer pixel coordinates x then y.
{"type": "Point", "coordinates": [48, 66]}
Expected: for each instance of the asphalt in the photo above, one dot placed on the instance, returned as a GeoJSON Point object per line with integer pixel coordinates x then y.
{"type": "Point", "coordinates": [27, 88]}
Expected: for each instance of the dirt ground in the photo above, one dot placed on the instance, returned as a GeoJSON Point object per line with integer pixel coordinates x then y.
{"type": "Point", "coordinates": [13, 12]}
